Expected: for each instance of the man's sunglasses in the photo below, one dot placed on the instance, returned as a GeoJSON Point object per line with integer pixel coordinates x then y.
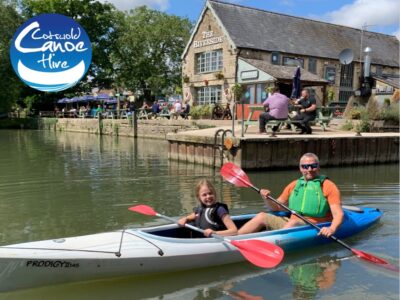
{"type": "Point", "coordinates": [307, 166]}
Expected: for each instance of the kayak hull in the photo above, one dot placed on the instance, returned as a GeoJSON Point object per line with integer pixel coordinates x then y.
{"type": "Point", "coordinates": [147, 251]}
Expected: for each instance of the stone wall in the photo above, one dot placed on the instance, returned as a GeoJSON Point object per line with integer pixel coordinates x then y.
{"type": "Point", "coordinates": [285, 152]}
{"type": "Point", "coordinates": [157, 129]}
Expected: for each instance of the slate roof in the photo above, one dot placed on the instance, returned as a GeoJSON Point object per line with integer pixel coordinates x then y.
{"type": "Point", "coordinates": [263, 30]}
{"type": "Point", "coordinates": [395, 82]}
{"type": "Point", "coordinates": [285, 73]}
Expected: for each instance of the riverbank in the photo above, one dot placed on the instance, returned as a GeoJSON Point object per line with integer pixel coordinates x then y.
{"type": "Point", "coordinates": [213, 142]}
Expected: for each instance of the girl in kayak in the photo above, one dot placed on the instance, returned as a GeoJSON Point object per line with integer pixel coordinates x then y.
{"type": "Point", "coordinates": [210, 215]}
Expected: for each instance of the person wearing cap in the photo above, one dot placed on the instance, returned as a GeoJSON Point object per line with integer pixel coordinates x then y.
{"type": "Point", "coordinates": [313, 196]}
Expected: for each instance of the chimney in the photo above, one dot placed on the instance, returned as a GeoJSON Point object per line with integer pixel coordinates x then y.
{"type": "Point", "coordinates": [367, 61]}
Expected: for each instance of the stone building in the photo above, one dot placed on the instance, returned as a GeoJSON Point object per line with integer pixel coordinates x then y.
{"type": "Point", "coordinates": [232, 43]}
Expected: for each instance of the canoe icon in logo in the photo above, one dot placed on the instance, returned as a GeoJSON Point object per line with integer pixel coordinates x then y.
{"type": "Point", "coordinates": [51, 52]}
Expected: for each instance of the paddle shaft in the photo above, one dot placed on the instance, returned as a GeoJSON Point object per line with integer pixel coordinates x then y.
{"type": "Point", "coordinates": [192, 227]}
{"type": "Point", "coordinates": [303, 218]}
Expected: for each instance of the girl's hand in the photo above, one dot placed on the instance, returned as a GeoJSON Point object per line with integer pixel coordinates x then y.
{"type": "Point", "coordinates": [265, 193]}
{"type": "Point", "coordinates": [182, 221]}
{"type": "Point", "coordinates": [208, 232]}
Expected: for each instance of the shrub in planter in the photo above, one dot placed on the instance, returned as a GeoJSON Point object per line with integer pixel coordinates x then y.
{"type": "Point", "coordinates": [390, 114]}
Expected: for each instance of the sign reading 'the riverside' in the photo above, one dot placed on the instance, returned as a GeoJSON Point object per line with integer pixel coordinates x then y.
{"type": "Point", "coordinates": [50, 52]}
{"type": "Point", "coordinates": [208, 39]}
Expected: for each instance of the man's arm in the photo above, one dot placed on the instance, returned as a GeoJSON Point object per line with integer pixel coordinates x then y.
{"type": "Point", "coordinates": [337, 214]}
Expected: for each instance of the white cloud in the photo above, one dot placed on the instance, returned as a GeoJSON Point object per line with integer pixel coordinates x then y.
{"type": "Point", "coordinates": [369, 12]}
{"type": "Point", "coordinates": [131, 4]}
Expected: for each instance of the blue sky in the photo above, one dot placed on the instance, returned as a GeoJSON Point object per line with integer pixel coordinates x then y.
{"type": "Point", "coordinates": [378, 15]}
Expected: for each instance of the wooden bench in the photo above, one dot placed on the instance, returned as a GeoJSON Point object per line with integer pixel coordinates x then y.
{"type": "Point", "coordinates": [321, 120]}
{"type": "Point", "coordinates": [164, 113]}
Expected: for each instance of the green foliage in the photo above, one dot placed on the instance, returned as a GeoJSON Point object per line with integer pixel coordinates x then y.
{"type": "Point", "coordinates": [386, 102]}
{"type": "Point", "coordinates": [390, 114]}
{"type": "Point", "coordinates": [10, 85]}
{"type": "Point", "coordinates": [363, 126]}
{"type": "Point", "coordinates": [358, 112]}
{"type": "Point", "coordinates": [149, 50]}
{"type": "Point", "coordinates": [347, 126]}
{"type": "Point", "coordinates": [373, 109]}
{"type": "Point", "coordinates": [237, 90]}
{"type": "Point", "coordinates": [29, 101]}
{"type": "Point", "coordinates": [201, 111]}
{"type": "Point", "coordinates": [331, 94]}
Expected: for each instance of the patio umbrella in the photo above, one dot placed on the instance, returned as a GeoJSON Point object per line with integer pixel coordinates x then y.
{"type": "Point", "coordinates": [111, 101]}
{"type": "Point", "coordinates": [63, 100]}
{"type": "Point", "coordinates": [296, 88]}
{"type": "Point", "coordinates": [88, 98]}
{"type": "Point", "coordinates": [102, 97]}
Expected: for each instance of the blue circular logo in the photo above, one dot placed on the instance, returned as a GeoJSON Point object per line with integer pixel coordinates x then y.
{"type": "Point", "coordinates": [50, 52]}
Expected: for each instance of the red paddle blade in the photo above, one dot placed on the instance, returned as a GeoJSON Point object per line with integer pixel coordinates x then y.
{"type": "Point", "coordinates": [260, 253]}
{"type": "Point", "coordinates": [235, 175]}
{"type": "Point", "coordinates": [376, 260]}
{"type": "Point", "coordinates": [143, 209]}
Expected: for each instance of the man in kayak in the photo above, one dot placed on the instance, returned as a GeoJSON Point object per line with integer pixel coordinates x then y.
{"type": "Point", "coordinates": [210, 215]}
{"type": "Point", "coordinates": [312, 195]}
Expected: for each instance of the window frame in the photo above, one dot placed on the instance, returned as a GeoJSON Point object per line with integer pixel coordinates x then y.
{"type": "Point", "coordinates": [211, 94]}
{"type": "Point", "coordinates": [209, 61]}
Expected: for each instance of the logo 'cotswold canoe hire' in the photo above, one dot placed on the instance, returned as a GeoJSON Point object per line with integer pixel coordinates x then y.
{"type": "Point", "coordinates": [50, 52]}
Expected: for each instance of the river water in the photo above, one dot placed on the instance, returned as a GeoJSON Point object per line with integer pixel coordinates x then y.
{"type": "Point", "coordinates": [57, 184]}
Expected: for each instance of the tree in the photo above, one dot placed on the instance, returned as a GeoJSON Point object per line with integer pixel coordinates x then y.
{"type": "Point", "coordinates": [10, 84]}
{"type": "Point", "coordinates": [99, 21]}
{"type": "Point", "coordinates": [149, 50]}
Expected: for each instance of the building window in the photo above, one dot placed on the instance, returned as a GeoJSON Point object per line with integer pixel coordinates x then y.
{"type": "Point", "coordinates": [275, 58]}
{"type": "Point", "coordinates": [330, 74]}
{"type": "Point", "coordinates": [293, 61]}
{"type": "Point", "coordinates": [209, 95]}
{"type": "Point", "coordinates": [312, 65]}
{"type": "Point", "coordinates": [209, 61]}
{"type": "Point", "coordinates": [379, 70]}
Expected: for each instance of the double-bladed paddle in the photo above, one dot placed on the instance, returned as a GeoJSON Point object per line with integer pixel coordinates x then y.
{"type": "Point", "coordinates": [259, 253]}
{"type": "Point", "coordinates": [235, 175]}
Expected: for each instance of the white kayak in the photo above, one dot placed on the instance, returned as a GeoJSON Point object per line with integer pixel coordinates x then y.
{"type": "Point", "coordinates": [142, 251]}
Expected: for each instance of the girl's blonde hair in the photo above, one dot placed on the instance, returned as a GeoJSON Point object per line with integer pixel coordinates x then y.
{"type": "Point", "coordinates": [208, 184]}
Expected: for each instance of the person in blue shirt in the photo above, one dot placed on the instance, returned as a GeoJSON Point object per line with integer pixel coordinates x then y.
{"type": "Point", "coordinates": [155, 108]}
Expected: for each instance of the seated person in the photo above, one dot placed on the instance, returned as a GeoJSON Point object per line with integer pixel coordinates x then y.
{"type": "Point", "coordinates": [322, 204]}
{"type": "Point", "coordinates": [307, 113]}
{"type": "Point", "coordinates": [155, 108]}
{"type": "Point", "coordinates": [185, 113]}
{"type": "Point", "coordinates": [277, 106]}
{"type": "Point", "coordinates": [210, 215]}
{"type": "Point", "coordinates": [227, 112]}
{"type": "Point", "coordinates": [177, 109]}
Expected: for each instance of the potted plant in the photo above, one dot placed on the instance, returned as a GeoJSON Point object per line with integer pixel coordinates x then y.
{"type": "Point", "coordinates": [219, 75]}
{"type": "Point", "coordinates": [185, 78]}
{"type": "Point", "coordinates": [237, 90]}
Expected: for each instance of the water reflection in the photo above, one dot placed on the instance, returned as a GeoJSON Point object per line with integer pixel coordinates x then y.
{"type": "Point", "coordinates": [57, 184]}
{"type": "Point", "coordinates": [309, 278]}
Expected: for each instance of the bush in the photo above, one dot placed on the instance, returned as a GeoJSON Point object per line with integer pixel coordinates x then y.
{"type": "Point", "coordinates": [390, 114]}
{"type": "Point", "coordinates": [373, 109]}
{"type": "Point", "coordinates": [363, 126]}
{"type": "Point", "coordinates": [201, 111]}
{"type": "Point", "coordinates": [348, 126]}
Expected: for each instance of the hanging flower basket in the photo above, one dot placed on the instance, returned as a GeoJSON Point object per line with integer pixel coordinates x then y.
{"type": "Point", "coordinates": [219, 76]}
